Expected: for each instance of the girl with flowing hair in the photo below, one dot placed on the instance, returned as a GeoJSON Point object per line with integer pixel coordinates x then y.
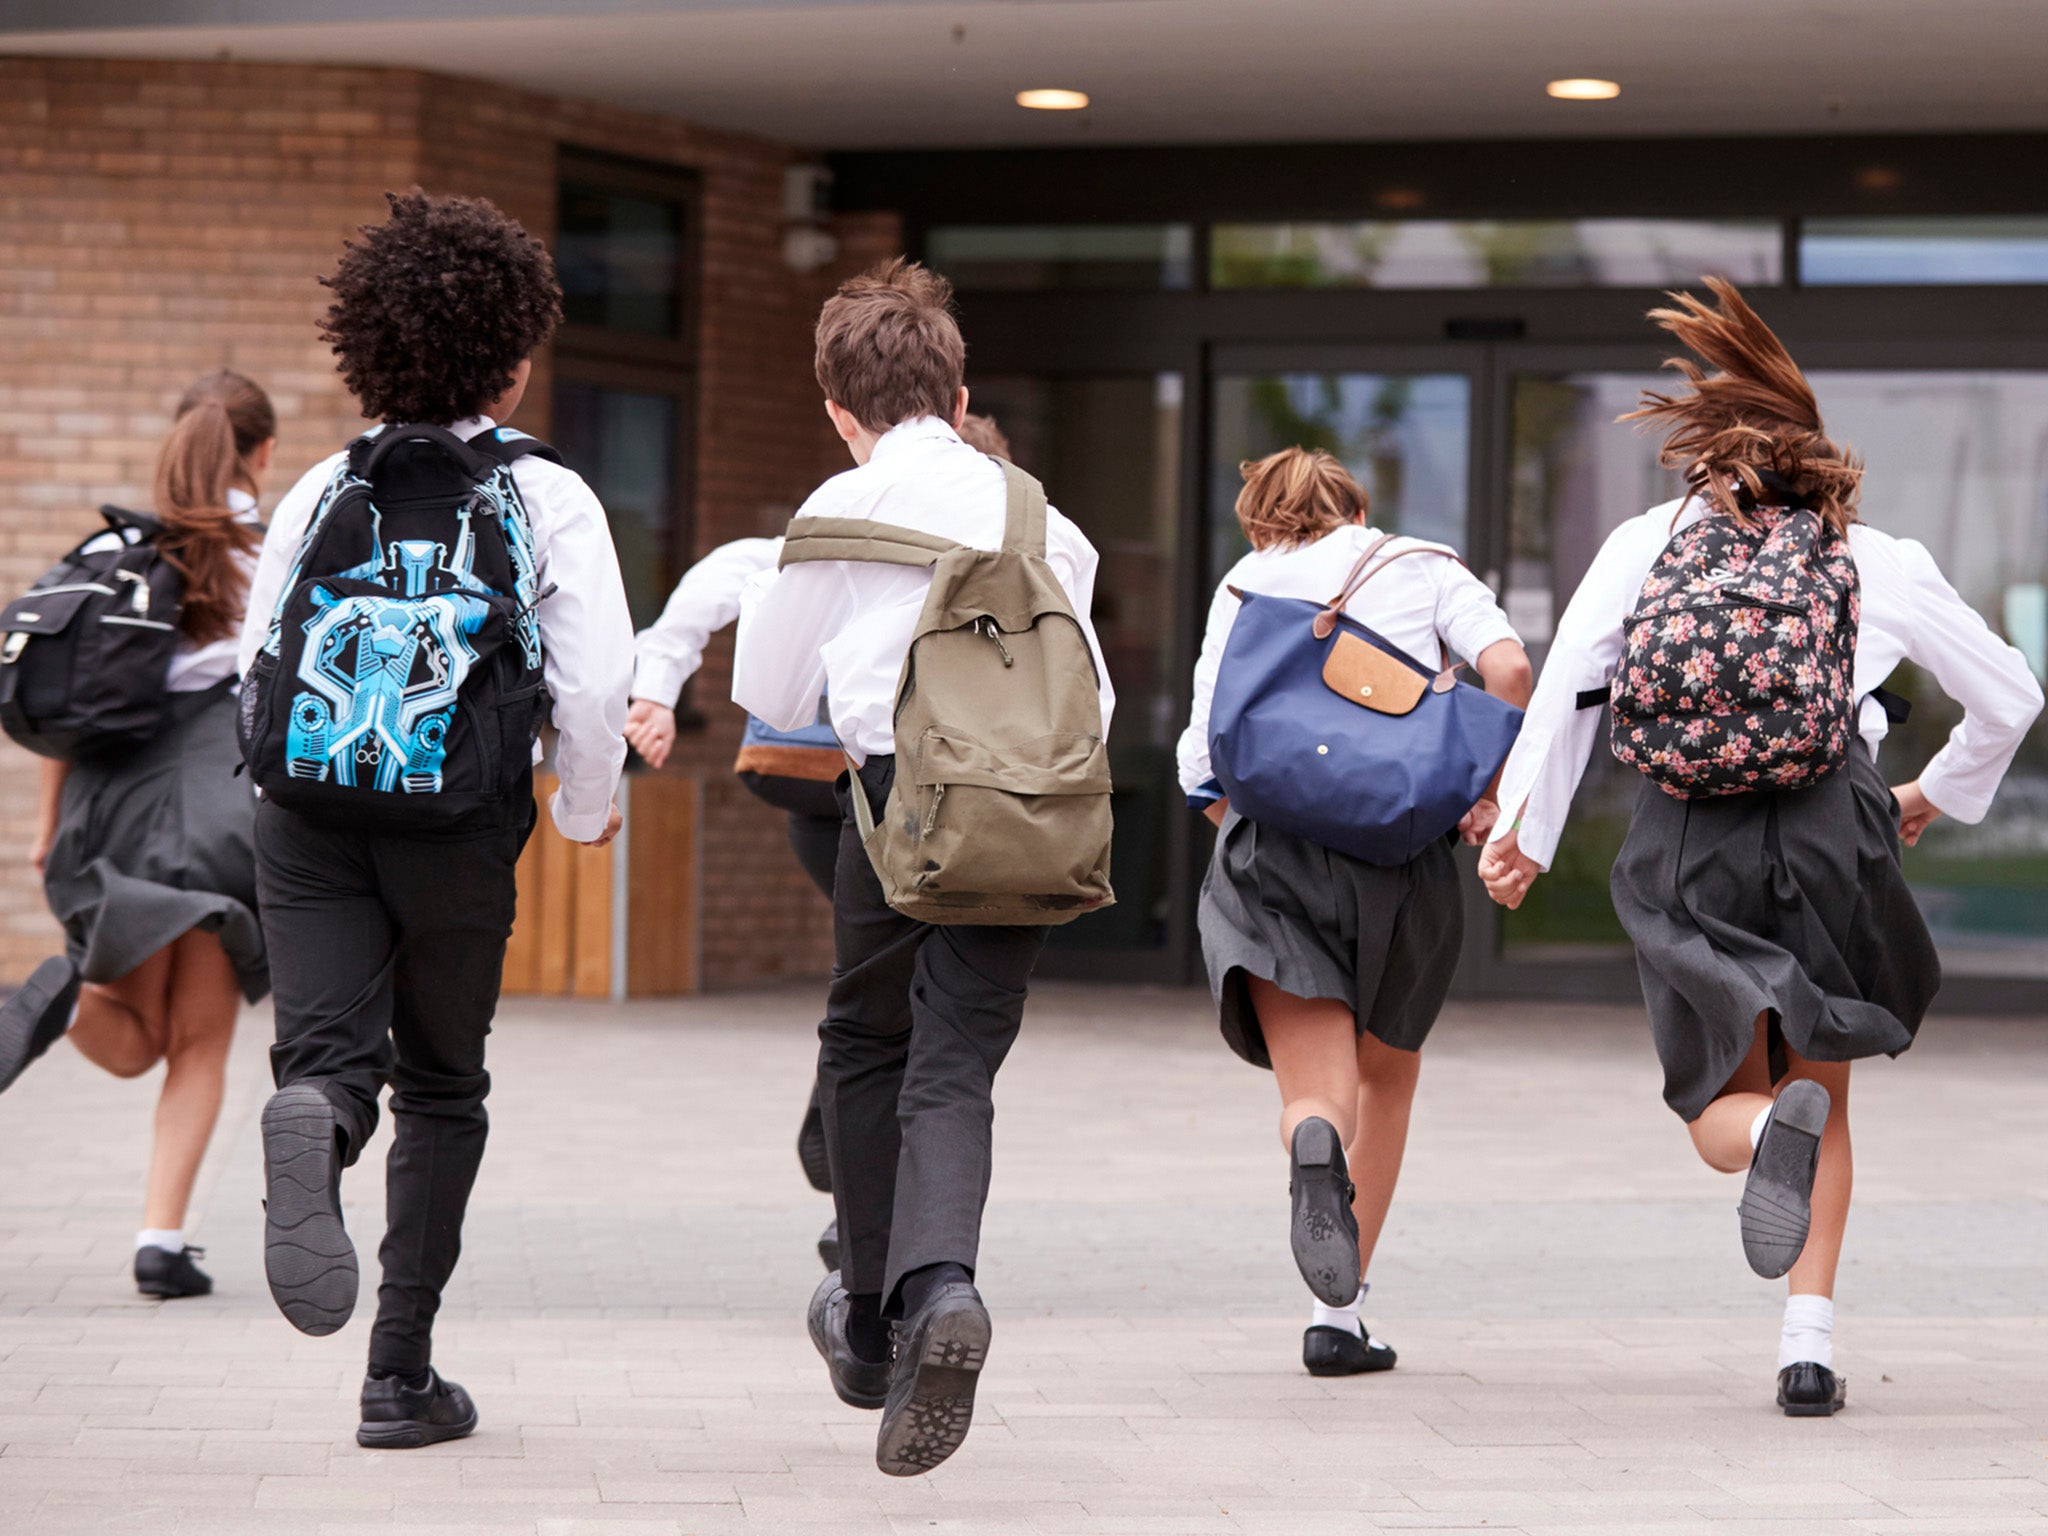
{"type": "Point", "coordinates": [1327, 969]}
{"type": "Point", "coordinates": [148, 860]}
{"type": "Point", "coordinates": [1760, 880]}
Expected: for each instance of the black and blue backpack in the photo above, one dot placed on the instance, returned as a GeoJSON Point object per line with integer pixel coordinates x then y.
{"type": "Point", "coordinates": [400, 686]}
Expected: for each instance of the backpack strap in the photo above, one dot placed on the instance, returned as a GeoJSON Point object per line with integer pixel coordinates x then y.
{"type": "Point", "coordinates": [120, 519]}
{"type": "Point", "coordinates": [862, 539]}
{"type": "Point", "coordinates": [1023, 511]}
{"type": "Point", "coordinates": [504, 445]}
{"type": "Point", "coordinates": [369, 453]}
{"type": "Point", "coordinates": [1363, 571]}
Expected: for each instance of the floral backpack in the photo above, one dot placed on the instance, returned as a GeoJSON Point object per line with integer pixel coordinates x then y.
{"type": "Point", "coordinates": [1738, 664]}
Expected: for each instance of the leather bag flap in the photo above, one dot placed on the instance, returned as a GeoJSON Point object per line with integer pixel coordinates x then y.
{"type": "Point", "coordinates": [42, 613]}
{"type": "Point", "coordinates": [1359, 671]}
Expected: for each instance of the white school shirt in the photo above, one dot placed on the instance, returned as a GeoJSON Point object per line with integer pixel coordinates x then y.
{"type": "Point", "coordinates": [1413, 603]}
{"type": "Point", "coordinates": [842, 627]}
{"type": "Point", "coordinates": [1910, 613]}
{"type": "Point", "coordinates": [669, 651]}
{"type": "Point", "coordinates": [586, 632]}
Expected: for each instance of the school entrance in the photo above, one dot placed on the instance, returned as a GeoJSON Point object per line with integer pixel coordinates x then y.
{"type": "Point", "coordinates": [1468, 366]}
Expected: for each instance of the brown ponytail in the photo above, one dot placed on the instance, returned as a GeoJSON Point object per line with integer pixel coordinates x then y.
{"type": "Point", "coordinates": [223, 419]}
{"type": "Point", "coordinates": [1295, 496]}
{"type": "Point", "coordinates": [1755, 415]}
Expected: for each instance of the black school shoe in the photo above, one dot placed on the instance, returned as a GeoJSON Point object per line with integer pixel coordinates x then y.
{"type": "Point", "coordinates": [1776, 1201]}
{"type": "Point", "coordinates": [307, 1255]}
{"type": "Point", "coordinates": [398, 1417]}
{"type": "Point", "coordinates": [859, 1383]}
{"type": "Point", "coordinates": [37, 1013]}
{"type": "Point", "coordinates": [1810, 1391]}
{"type": "Point", "coordinates": [828, 1244]}
{"type": "Point", "coordinates": [165, 1275]}
{"type": "Point", "coordinates": [1325, 1233]}
{"type": "Point", "coordinates": [810, 1148]}
{"type": "Point", "coordinates": [940, 1350]}
{"type": "Point", "coordinates": [1328, 1351]}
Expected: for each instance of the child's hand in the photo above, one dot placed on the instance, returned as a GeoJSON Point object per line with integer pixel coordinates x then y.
{"type": "Point", "coordinates": [1215, 810]}
{"type": "Point", "coordinates": [1916, 811]}
{"type": "Point", "coordinates": [650, 730]}
{"type": "Point", "coordinates": [1478, 822]}
{"type": "Point", "coordinates": [1507, 872]}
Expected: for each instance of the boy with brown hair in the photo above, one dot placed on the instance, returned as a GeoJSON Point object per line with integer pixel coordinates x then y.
{"type": "Point", "coordinates": [919, 1016]}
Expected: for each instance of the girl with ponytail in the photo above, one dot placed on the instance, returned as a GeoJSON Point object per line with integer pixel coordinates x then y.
{"type": "Point", "coordinates": [1756, 618]}
{"type": "Point", "coordinates": [148, 860]}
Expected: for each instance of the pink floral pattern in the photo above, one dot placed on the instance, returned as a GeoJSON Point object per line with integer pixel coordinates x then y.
{"type": "Point", "coordinates": [1738, 668]}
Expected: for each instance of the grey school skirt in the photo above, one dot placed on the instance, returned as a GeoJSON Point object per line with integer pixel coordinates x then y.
{"type": "Point", "coordinates": [159, 842]}
{"type": "Point", "coordinates": [1382, 941]}
{"type": "Point", "coordinates": [1787, 903]}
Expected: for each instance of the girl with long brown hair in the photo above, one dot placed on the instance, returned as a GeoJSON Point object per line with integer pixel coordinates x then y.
{"type": "Point", "coordinates": [1739, 637]}
{"type": "Point", "coordinates": [148, 860]}
{"type": "Point", "coordinates": [1325, 968]}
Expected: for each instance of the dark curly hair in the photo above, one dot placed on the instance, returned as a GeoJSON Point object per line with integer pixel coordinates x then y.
{"type": "Point", "coordinates": [435, 307]}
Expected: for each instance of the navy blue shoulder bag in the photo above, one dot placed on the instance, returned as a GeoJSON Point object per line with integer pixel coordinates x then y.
{"type": "Point", "coordinates": [1322, 728]}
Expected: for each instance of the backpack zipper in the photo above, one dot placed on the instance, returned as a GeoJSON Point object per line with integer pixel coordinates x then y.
{"type": "Point", "coordinates": [931, 817]}
{"type": "Point", "coordinates": [987, 626]}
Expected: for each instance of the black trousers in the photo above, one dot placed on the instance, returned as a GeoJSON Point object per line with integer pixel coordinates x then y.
{"type": "Point", "coordinates": [815, 842]}
{"type": "Point", "coordinates": [917, 1021]}
{"type": "Point", "coordinates": [386, 954]}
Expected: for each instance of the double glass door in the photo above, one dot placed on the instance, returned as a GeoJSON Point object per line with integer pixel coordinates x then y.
{"type": "Point", "coordinates": [1511, 454]}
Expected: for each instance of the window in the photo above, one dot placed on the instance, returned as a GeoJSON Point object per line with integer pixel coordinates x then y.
{"type": "Point", "coordinates": [1923, 251]}
{"type": "Point", "coordinates": [1025, 256]}
{"type": "Point", "coordinates": [1477, 253]}
{"type": "Point", "coordinates": [625, 371]}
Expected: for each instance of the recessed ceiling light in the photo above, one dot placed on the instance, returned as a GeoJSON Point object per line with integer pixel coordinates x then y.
{"type": "Point", "coordinates": [1582, 90]}
{"type": "Point", "coordinates": [1050, 100]}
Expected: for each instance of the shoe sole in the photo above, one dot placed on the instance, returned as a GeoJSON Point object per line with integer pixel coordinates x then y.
{"type": "Point", "coordinates": [1776, 1205]}
{"type": "Point", "coordinates": [410, 1434]}
{"type": "Point", "coordinates": [828, 1251]}
{"type": "Point", "coordinates": [307, 1256]}
{"type": "Point", "coordinates": [1810, 1410]}
{"type": "Point", "coordinates": [23, 1011]}
{"type": "Point", "coordinates": [817, 1162]}
{"type": "Point", "coordinates": [933, 1423]}
{"type": "Point", "coordinates": [814, 1321]}
{"type": "Point", "coordinates": [169, 1292]}
{"type": "Point", "coordinates": [1324, 1234]}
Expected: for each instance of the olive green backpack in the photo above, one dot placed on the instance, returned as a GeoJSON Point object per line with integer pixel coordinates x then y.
{"type": "Point", "coordinates": [1000, 809]}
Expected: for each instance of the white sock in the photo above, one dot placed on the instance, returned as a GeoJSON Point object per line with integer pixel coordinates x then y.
{"type": "Point", "coordinates": [1346, 1318]}
{"type": "Point", "coordinates": [1756, 1126]}
{"type": "Point", "coordinates": [170, 1239]}
{"type": "Point", "coordinates": [1809, 1331]}
{"type": "Point", "coordinates": [74, 1010]}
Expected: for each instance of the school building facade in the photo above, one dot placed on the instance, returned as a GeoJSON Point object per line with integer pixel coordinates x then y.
{"type": "Point", "coordinates": [1459, 320]}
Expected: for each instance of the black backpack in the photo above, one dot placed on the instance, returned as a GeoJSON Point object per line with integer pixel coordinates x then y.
{"type": "Point", "coordinates": [400, 686]}
{"type": "Point", "coordinates": [84, 652]}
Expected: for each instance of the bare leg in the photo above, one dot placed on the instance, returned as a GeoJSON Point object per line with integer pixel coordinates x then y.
{"type": "Point", "coordinates": [204, 997]}
{"type": "Point", "coordinates": [1721, 1134]}
{"type": "Point", "coordinates": [122, 1026]}
{"type": "Point", "coordinates": [1315, 1062]}
{"type": "Point", "coordinates": [1386, 1093]}
{"type": "Point", "coordinates": [1814, 1274]}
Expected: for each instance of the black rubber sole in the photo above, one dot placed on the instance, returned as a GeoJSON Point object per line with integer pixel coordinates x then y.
{"type": "Point", "coordinates": [23, 1032]}
{"type": "Point", "coordinates": [810, 1148]}
{"type": "Point", "coordinates": [933, 1422]}
{"type": "Point", "coordinates": [1324, 1233]}
{"type": "Point", "coordinates": [1810, 1410]}
{"type": "Point", "coordinates": [307, 1255]}
{"type": "Point", "coordinates": [1776, 1205]}
{"type": "Point", "coordinates": [156, 1291]}
{"type": "Point", "coordinates": [410, 1434]}
{"type": "Point", "coordinates": [828, 1246]}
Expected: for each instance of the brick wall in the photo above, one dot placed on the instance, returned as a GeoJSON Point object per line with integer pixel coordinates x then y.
{"type": "Point", "coordinates": [161, 219]}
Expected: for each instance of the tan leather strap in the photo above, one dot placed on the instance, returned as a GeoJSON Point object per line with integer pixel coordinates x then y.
{"type": "Point", "coordinates": [1364, 570]}
{"type": "Point", "coordinates": [1023, 511]}
{"type": "Point", "coordinates": [860, 538]}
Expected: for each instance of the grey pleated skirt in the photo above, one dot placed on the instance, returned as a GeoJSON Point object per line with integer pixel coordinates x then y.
{"type": "Point", "coordinates": [1382, 941]}
{"type": "Point", "coordinates": [159, 842]}
{"type": "Point", "coordinates": [1786, 903]}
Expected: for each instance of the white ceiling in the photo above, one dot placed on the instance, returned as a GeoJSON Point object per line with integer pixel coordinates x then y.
{"type": "Point", "coordinates": [937, 73]}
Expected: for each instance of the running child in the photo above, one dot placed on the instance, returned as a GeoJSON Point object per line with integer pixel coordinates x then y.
{"type": "Point", "coordinates": [1740, 636]}
{"type": "Point", "coordinates": [415, 593]}
{"type": "Point", "coordinates": [1327, 969]}
{"type": "Point", "coordinates": [147, 858]}
{"type": "Point", "coordinates": [919, 1016]}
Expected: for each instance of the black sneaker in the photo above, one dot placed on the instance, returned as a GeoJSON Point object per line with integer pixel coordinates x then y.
{"type": "Point", "coordinates": [161, 1273]}
{"type": "Point", "coordinates": [1775, 1208]}
{"type": "Point", "coordinates": [399, 1417]}
{"type": "Point", "coordinates": [810, 1147]}
{"type": "Point", "coordinates": [859, 1383]}
{"type": "Point", "coordinates": [37, 1013]}
{"type": "Point", "coordinates": [307, 1255]}
{"type": "Point", "coordinates": [1330, 1351]}
{"type": "Point", "coordinates": [1325, 1233]}
{"type": "Point", "coordinates": [1810, 1391]}
{"type": "Point", "coordinates": [940, 1351]}
{"type": "Point", "coordinates": [828, 1244]}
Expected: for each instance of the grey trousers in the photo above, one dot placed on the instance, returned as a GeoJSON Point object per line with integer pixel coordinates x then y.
{"type": "Point", "coordinates": [917, 1021]}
